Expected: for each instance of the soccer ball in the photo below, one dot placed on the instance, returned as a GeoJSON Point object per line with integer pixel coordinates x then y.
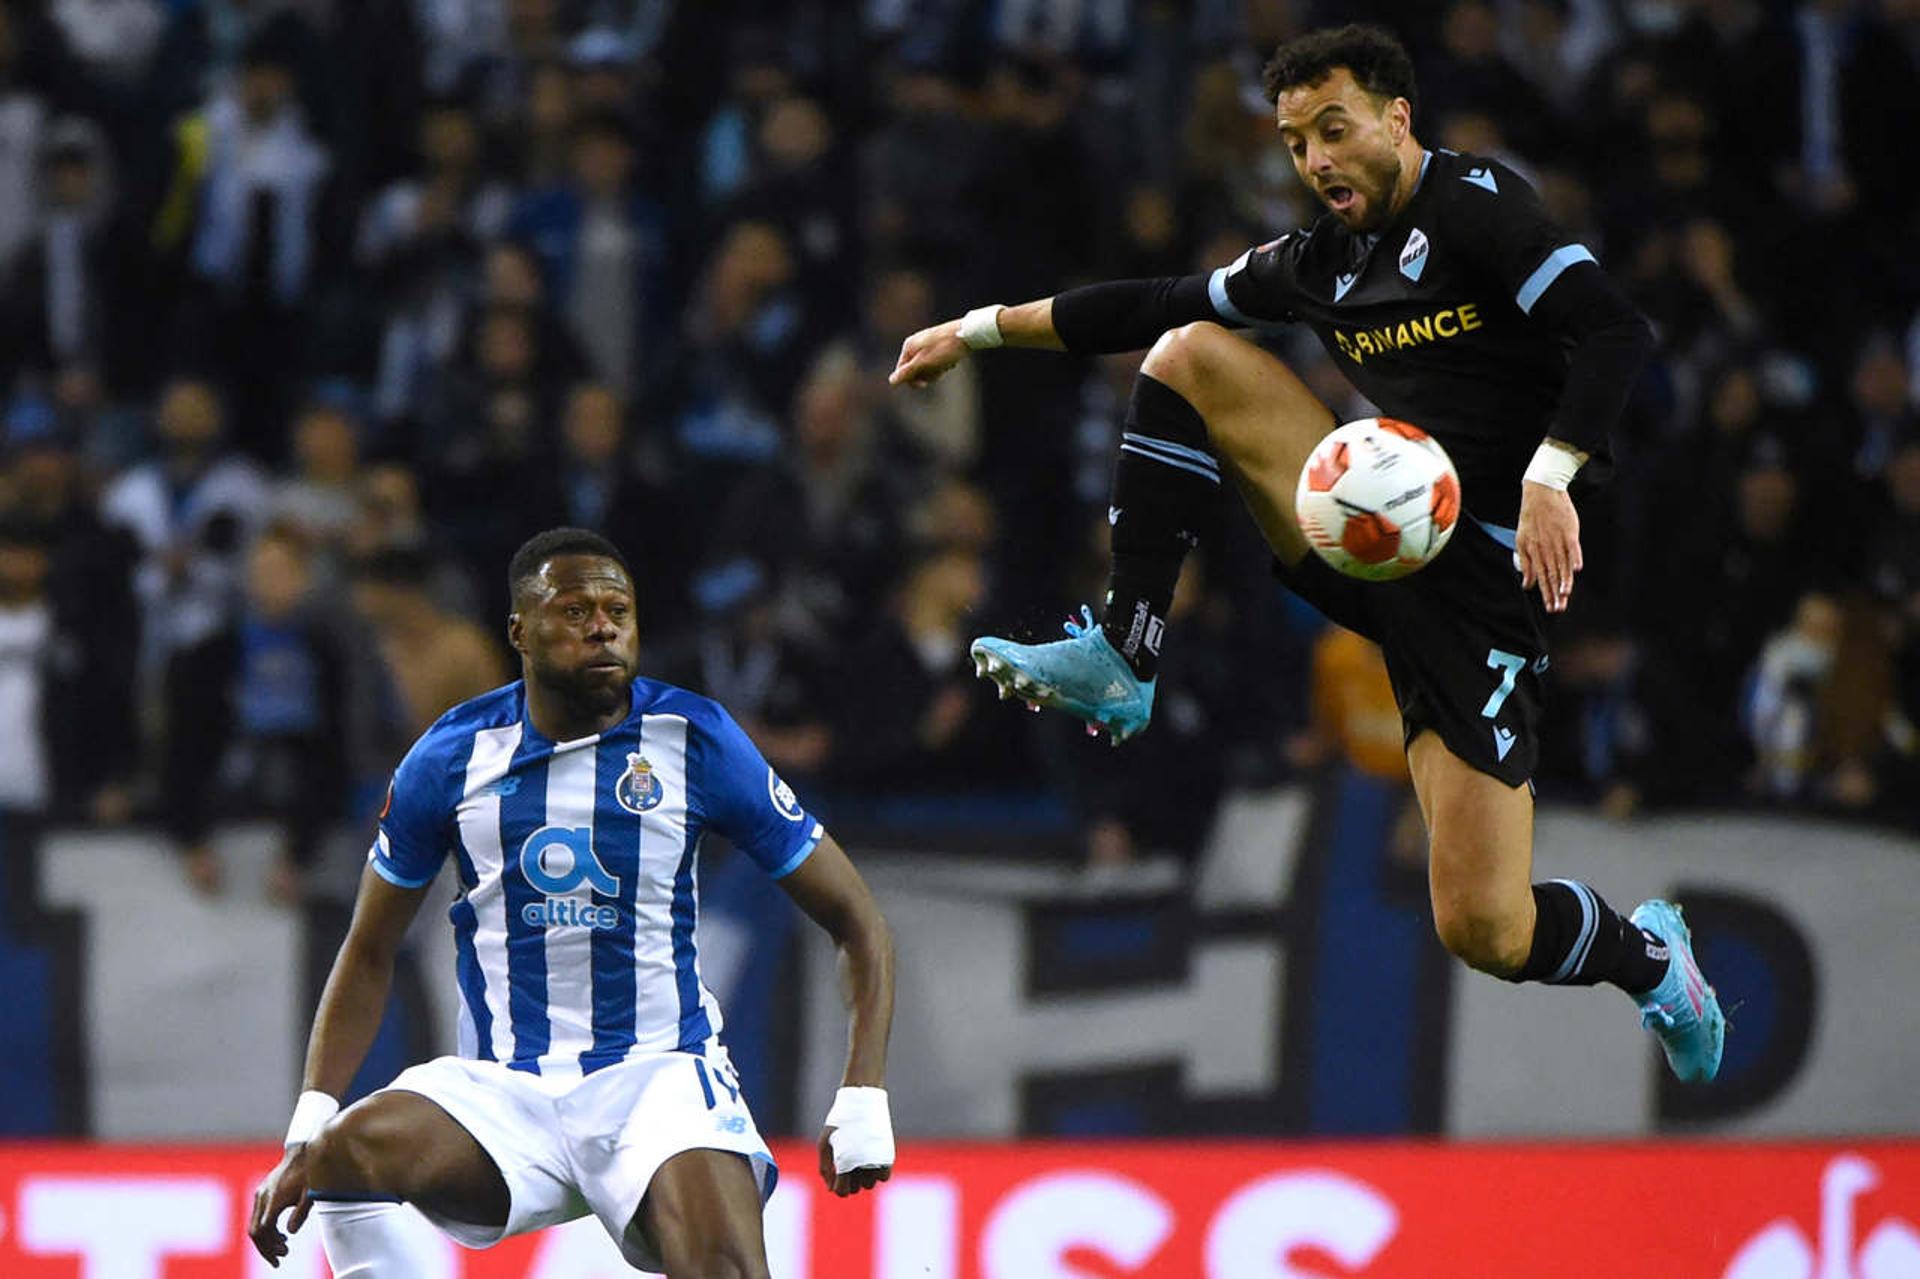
{"type": "Point", "coordinates": [1378, 498]}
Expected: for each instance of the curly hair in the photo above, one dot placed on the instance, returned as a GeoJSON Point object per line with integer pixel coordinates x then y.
{"type": "Point", "coordinates": [1377, 59]}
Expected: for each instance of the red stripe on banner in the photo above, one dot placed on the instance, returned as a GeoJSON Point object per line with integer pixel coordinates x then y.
{"type": "Point", "coordinates": [1063, 1211]}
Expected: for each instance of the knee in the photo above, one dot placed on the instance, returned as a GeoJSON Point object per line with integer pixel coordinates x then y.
{"type": "Point", "coordinates": [354, 1154]}
{"type": "Point", "coordinates": [1483, 935]}
{"type": "Point", "coordinates": [1183, 356]}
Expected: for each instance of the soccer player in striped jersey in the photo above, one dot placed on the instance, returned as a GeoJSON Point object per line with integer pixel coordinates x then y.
{"type": "Point", "coordinates": [590, 1075]}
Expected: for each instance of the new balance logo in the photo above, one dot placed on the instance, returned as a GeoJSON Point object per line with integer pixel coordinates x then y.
{"type": "Point", "coordinates": [1502, 741]}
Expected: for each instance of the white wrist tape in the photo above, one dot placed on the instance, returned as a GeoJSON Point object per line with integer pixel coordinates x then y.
{"type": "Point", "coordinates": [310, 1115]}
{"type": "Point", "coordinates": [980, 328]}
{"type": "Point", "coordinates": [1552, 466]}
{"type": "Point", "coordinates": [862, 1129]}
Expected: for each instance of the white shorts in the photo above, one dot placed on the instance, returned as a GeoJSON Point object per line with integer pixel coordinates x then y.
{"type": "Point", "coordinates": [570, 1147]}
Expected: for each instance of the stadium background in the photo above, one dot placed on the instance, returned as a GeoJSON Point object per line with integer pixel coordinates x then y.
{"type": "Point", "coordinates": [312, 310]}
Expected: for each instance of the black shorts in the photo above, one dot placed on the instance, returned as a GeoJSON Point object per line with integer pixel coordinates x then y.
{"type": "Point", "coordinates": [1465, 646]}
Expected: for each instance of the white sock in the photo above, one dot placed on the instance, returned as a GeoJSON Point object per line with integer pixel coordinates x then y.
{"type": "Point", "coordinates": [378, 1240]}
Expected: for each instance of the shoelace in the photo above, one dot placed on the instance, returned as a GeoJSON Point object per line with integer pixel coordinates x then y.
{"type": "Point", "coordinates": [1082, 627]}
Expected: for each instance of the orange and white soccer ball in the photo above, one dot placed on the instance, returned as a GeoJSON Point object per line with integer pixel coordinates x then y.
{"type": "Point", "coordinates": [1378, 498]}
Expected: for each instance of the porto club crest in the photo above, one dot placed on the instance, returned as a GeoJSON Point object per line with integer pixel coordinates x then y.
{"type": "Point", "coordinates": [638, 790]}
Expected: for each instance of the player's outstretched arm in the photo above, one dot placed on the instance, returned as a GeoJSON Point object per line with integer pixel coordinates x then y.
{"type": "Point", "coordinates": [351, 1008]}
{"type": "Point", "coordinates": [1093, 319]}
{"type": "Point", "coordinates": [925, 355]}
{"type": "Point", "coordinates": [856, 1144]}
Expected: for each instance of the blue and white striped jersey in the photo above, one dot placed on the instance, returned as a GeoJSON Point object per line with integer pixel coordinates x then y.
{"type": "Point", "coordinates": [575, 932]}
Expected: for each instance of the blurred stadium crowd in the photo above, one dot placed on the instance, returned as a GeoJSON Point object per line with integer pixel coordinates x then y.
{"type": "Point", "coordinates": [313, 309]}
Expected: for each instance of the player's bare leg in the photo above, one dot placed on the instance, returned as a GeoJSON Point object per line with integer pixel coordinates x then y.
{"type": "Point", "coordinates": [395, 1147]}
{"type": "Point", "coordinates": [1489, 914]}
{"type": "Point", "coordinates": [1204, 400]}
{"type": "Point", "coordinates": [1480, 858]}
{"type": "Point", "coordinates": [702, 1214]}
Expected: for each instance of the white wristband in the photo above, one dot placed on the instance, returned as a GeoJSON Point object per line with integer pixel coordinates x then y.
{"type": "Point", "coordinates": [1553, 466]}
{"type": "Point", "coordinates": [980, 328]}
{"type": "Point", "coordinates": [862, 1129]}
{"type": "Point", "coordinates": [310, 1115]}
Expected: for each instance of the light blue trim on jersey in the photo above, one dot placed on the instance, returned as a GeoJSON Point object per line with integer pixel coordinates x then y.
{"type": "Point", "coordinates": [1498, 532]}
{"type": "Point", "coordinates": [1176, 463]}
{"type": "Point", "coordinates": [395, 878]}
{"type": "Point", "coordinates": [801, 854]}
{"type": "Point", "coordinates": [1222, 304]}
{"type": "Point", "coordinates": [1173, 450]}
{"type": "Point", "coordinates": [1589, 924]}
{"type": "Point", "coordinates": [1547, 272]}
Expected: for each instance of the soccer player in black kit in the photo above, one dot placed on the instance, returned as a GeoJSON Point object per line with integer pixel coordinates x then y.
{"type": "Point", "coordinates": [1445, 293]}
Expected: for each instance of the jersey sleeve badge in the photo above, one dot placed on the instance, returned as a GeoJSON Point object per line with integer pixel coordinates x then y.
{"type": "Point", "coordinates": [784, 800]}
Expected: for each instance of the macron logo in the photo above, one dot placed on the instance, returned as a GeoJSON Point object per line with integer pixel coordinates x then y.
{"type": "Point", "coordinates": [1502, 741]}
{"type": "Point", "coordinates": [1482, 177]}
{"type": "Point", "coordinates": [1343, 283]}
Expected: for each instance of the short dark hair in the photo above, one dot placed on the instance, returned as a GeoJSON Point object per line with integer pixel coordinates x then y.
{"type": "Point", "coordinates": [541, 547]}
{"type": "Point", "coordinates": [1376, 57]}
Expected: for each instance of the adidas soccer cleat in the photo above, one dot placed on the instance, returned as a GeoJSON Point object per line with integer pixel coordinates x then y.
{"type": "Point", "coordinates": [1682, 1010]}
{"type": "Point", "coordinates": [1082, 675]}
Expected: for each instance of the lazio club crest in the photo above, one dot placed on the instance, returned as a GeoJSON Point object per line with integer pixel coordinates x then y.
{"type": "Point", "coordinates": [1413, 258]}
{"type": "Point", "coordinates": [638, 789]}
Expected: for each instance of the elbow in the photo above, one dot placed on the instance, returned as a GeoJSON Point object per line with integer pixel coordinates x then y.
{"type": "Point", "coordinates": [368, 956]}
{"type": "Point", "coordinates": [866, 936]}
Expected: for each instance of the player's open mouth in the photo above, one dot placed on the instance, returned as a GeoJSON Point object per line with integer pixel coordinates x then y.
{"type": "Point", "coordinates": [1340, 198]}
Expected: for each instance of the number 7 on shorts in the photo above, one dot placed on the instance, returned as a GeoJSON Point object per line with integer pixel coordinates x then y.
{"type": "Point", "coordinates": [1509, 665]}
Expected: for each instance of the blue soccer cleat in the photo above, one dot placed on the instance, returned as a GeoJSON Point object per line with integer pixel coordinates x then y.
{"type": "Point", "coordinates": [1082, 675]}
{"type": "Point", "coordinates": [1682, 1010]}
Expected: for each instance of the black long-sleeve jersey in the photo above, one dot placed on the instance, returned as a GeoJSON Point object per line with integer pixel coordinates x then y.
{"type": "Point", "coordinates": [1470, 314]}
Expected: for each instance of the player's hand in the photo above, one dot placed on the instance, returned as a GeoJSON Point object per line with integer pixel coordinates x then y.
{"type": "Point", "coordinates": [927, 354]}
{"type": "Point", "coordinates": [853, 1181]}
{"type": "Point", "coordinates": [284, 1188]}
{"type": "Point", "coordinates": [856, 1144]}
{"type": "Point", "coordinates": [1547, 543]}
